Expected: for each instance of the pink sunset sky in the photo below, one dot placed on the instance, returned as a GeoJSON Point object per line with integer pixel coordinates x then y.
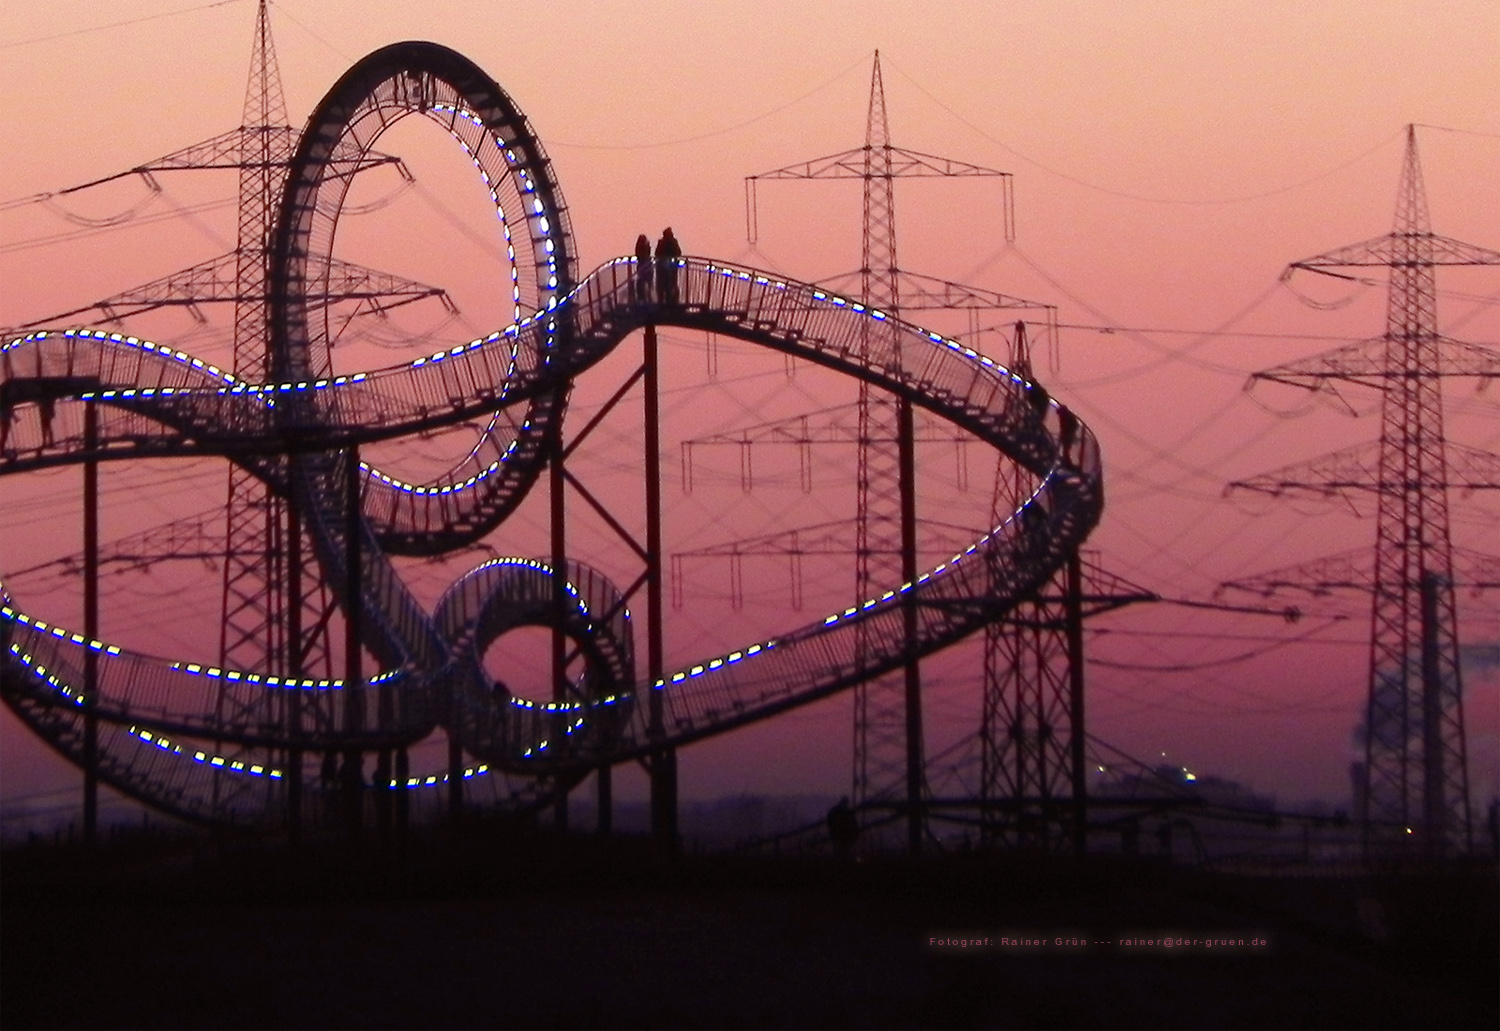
{"type": "Point", "coordinates": [1169, 161]}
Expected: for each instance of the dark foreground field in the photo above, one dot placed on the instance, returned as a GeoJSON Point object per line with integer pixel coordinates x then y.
{"type": "Point", "coordinates": [532, 931]}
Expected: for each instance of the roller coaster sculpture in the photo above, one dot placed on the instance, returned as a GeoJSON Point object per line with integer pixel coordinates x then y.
{"type": "Point", "coordinates": [71, 396]}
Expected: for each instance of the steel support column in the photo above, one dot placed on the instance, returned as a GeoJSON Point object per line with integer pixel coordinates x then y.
{"type": "Point", "coordinates": [90, 625]}
{"type": "Point", "coordinates": [907, 447]}
{"type": "Point", "coordinates": [559, 514]}
{"type": "Point", "coordinates": [1078, 757]}
{"type": "Point", "coordinates": [663, 764]}
{"type": "Point", "coordinates": [351, 776]}
{"type": "Point", "coordinates": [294, 663]}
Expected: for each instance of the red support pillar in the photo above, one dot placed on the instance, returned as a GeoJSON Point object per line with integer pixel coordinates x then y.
{"type": "Point", "coordinates": [352, 775]}
{"type": "Point", "coordinates": [293, 773]}
{"type": "Point", "coordinates": [663, 764]}
{"type": "Point", "coordinates": [559, 514]}
{"type": "Point", "coordinates": [906, 445]}
{"type": "Point", "coordinates": [90, 624]}
{"type": "Point", "coordinates": [1073, 614]}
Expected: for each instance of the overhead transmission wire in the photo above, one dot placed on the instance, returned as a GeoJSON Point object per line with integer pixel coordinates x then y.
{"type": "Point", "coordinates": [1228, 660]}
{"type": "Point", "coordinates": [1211, 502]}
{"type": "Point", "coordinates": [49, 201]}
{"type": "Point", "coordinates": [1330, 701]}
{"type": "Point", "coordinates": [11, 44]}
{"type": "Point", "coordinates": [489, 245]}
{"type": "Point", "coordinates": [1169, 354]}
{"type": "Point", "coordinates": [1146, 198]}
{"type": "Point", "coordinates": [348, 58]}
{"type": "Point", "coordinates": [74, 234]}
{"type": "Point", "coordinates": [191, 218]}
{"type": "Point", "coordinates": [647, 145]}
{"type": "Point", "coordinates": [1193, 699]}
{"type": "Point", "coordinates": [1103, 632]}
{"type": "Point", "coordinates": [68, 566]}
{"type": "Point", "coordinates": [1161, 644]}
{"type": "Point", "coordinates": [1189, 473]}
{"type": "Point", "coordinates": [723, 130]}
{"type": "Point", "coordinates": [1461, 132]}
{"type": "Point", "coordinates": [46, 509]}
{"type": "Point", "coordinates": [1232, 334]}
{"type": "Point", "coordinates": [1159, 454]}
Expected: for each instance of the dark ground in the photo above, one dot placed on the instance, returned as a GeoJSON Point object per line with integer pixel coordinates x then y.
{"type": "Point", "coordinates": [534, 931]}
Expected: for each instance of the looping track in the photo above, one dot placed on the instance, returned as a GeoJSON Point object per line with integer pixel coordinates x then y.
{"type": "Point", "coordinates": [159, 738]}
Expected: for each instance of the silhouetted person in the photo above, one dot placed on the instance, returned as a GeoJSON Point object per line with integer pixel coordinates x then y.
{"type": "Point", "coordinates": [48, 406]}
{"type": "Point", "coordinates": [667, 253]}
{"type": "Point", "coordinates": [1034, 534]}
{"type": "Point", "coordinates": [1039, 398]}
{"type": "Point", "coordinates": [645, 271]}
{"type": "Point", "coordinates": [843, 828]}
{"type": "Point", "coordinates": [1068, 431]}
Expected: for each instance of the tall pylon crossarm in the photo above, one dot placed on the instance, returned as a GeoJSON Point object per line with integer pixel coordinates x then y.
{"type": "Point", "coordinates": [1414, 793]}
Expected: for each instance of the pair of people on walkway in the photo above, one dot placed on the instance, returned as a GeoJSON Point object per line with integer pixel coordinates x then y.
{"type": "Point", "coordinates": [660, 272]}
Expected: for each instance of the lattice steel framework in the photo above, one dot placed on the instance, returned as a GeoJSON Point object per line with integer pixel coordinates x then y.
{"type": "Point", "coordinates": [1415, 775]}
{"type": "Point", "coordinates": [1032, 790]}
{"type": "Point", "coordinates": [887, 712]}
{"type": "Point", "coordinates": [254, 588]}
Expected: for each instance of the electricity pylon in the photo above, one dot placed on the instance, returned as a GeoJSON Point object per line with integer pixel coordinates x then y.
{"type": "Point", "coordinates": [1415, 791]}
{"type": "Point", "coordinates": [887, 711]}
{"type": "Point", "coordinates": [1032, 787]}
{"type": "Point", "coordinates": [274, 614]}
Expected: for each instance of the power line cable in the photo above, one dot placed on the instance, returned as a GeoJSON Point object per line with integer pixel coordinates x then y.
{"type": "Point", "coordinates": [144, 220]}
{"type": "Point", "coordinates": [114, 25]}
{"type": "Point", "coordinates": [1462, 132]}
{"type": "Point", "coordinates": [714, 132]}
{"type": "Point", "coordinates": [1127, 195]}
{"type": "Point", "coordinates": [1193, 667]}
{"type": "Point", "coordinates": [307, 29]}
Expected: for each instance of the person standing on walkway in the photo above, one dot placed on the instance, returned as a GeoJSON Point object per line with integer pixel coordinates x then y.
{"type": "Point", "coordinates": [667, 253]}
{"type": "Point", "coordinates": [645, 272]}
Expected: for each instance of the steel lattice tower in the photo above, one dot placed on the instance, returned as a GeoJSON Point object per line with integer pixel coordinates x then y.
{"type": "Point", "coordinates": [274, 615]}
{"type": "Point", "coordinates": [1032, 787]}
{"type": "Point", "coordinates": [257, 601]}
{"type": "Point", "coordinates": [254, 575]}
{"type": "Point", "coordinates": [1025, 733]}
{"type": "Point", "coordinates": [887, 711]}
{"type": "Point", "coordinates": [1415, 776]}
